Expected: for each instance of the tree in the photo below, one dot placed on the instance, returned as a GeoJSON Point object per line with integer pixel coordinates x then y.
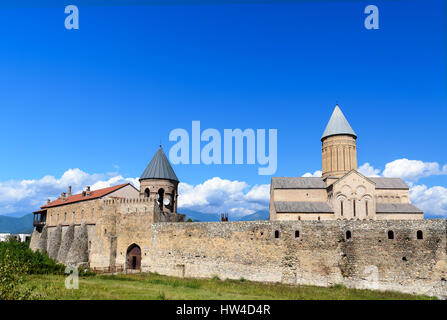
{"type": "Point", "coordinates": [11, 278]}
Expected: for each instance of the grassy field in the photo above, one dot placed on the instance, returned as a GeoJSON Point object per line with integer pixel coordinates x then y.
{"type": "Point", "coordinates": [157, 287]}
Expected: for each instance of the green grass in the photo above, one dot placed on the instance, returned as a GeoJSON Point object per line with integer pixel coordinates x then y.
{"type": "Point", "coordinates": [157, 287]}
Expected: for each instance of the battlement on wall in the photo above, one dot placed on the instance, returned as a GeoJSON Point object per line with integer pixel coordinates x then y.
{"type": "Point", "coordinates": [352, 223]}
{"type": "Point", "coordinates": [401, 232]}
{"type": "Point", "coordinates": [112, 202]}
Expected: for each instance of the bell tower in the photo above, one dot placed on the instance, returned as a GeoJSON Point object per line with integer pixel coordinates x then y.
{"type": "Point", "coordinates": [159, 182]}
{"type": "Point", "coordinates": [339, 149]}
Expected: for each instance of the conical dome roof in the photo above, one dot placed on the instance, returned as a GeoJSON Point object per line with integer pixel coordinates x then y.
{"type": "Point", "coordinates": [159, 168]}
{"type": "Point", "coordinates": [338, 125]}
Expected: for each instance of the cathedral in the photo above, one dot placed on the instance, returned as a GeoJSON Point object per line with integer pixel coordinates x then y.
{"type": "Point", "coordinates": [342, 192]}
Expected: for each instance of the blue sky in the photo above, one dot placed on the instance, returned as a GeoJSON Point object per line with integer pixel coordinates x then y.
{"type": "Point", "coordinates": [103, 97]}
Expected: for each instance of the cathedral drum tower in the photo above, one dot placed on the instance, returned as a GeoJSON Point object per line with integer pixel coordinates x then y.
{"type": "Point", "coordinates": [339, 151]}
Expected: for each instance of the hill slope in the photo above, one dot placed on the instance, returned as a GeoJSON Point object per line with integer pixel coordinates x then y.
{"type": "Point", "coordinates": [209, 217]}
{"type": "Point", "coordinates": [16, 225]}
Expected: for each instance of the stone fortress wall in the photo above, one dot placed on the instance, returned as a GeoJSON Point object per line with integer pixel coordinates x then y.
{"type": "Point", "coordinates": [370, 254]}
{"type": "Point", "coordinates": [356, 253]}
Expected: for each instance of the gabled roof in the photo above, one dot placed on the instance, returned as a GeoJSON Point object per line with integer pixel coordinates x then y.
{"type": "Point", "coordinates": [351, 172]}
{"type": "Point", "coordinates": [389, 183]}
{"type": "Point", "coordinates": [298, 183]}
{"type": "Point", "coordinates": [95, 194]}
{"type": "Point", "coordinates": [159, 168]}
{"type": "Point", "coordinates": [302, 207]}
{"type": "Point", "coordinates": [396, 208]}
{"type": "Point", "coordinates": [338, 125]}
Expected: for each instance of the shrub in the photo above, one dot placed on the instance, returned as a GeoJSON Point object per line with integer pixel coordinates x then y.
{"type": "Point", "coordinates": [36, 262]}
{"type": "Point", "coordinates": [11, 278]}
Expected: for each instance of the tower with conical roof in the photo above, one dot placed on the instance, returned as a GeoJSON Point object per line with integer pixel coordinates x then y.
{"type": "Point", "coordinates": [339, 149]}
{"type": "Point", "coordinates": [159, 182]}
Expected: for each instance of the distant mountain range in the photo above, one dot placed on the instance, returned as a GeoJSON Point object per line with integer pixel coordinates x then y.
{"type": "Point", "coordinates": [9, 224]}
{"type": "Point", "coordinates": [207, 217]}
{"type": "Point", "coordinates": [16, 225]}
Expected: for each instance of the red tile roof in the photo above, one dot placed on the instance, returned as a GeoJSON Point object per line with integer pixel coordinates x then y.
{"type": "Point", "coordinates": [79, 197]}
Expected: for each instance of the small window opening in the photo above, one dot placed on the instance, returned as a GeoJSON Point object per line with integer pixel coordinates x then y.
{"type": "Point", "coordinates": [390, 235]}
{"type": "Point", "coordinates": [348, 235]}
{"type": "Point", "coordinates": [420, 235]}
{"type": "Point", "coordinates": [276, 234]}
{"type": "Point", "coordinates": [297, 234]}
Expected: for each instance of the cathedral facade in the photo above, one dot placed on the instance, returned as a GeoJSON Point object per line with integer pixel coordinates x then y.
{"type": "Point", "coordinates": [342, 192]}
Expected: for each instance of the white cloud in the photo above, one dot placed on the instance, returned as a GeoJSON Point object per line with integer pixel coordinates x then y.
{"type": "Point", "coordinates": [413, 170]}
{"type": "Point", "coordinates": [433, 201]}
{"type": "Point", "coordinates": [368, 170]}
{"type": "Point", "coordinates": [317, 173]}
{"type": "Point", "coordinates": [115, 181]}
{"type": "Point", "coordinates": [218, 195]}
{"type": "Point", "coordinates": [215, 195]}
{"type": "Point", "coordinates": [259, 193]}
{"type": "Point", "coordinates": [25, 196]}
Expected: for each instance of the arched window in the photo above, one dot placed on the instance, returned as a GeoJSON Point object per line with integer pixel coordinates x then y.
{"type": "Point", "coordinates": [57, 218]}
{"type": "Point", "coordinates": [348, 235]}
{"type": "Point", "coordinates": [420, 235]}
{"type": "Point", "coordinates": [366, 207]}
{"type": "Point", "coordinates": [297, 234]}
{"type": "Point", "coordinates": [161, 194]}
{"type": "Point", "coordinates": [353, 204]}
{"type": "Point", "coordinates": [341, 207]}
{"type": "Point", "coordinates": [147, 193]}
{"type": "Point", "coordinates": [390, 235]}
{"type": "Point", "coordinates": [65, 216]}
{"type": "Point", "coordinates": [276, 234]}
{"type": "Point", "coordinates": [299, 217]}
{"type": "Point", "coordinates": [172, 200]}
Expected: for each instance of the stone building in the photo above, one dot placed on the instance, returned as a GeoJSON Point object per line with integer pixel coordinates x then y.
{"type": "Point", "coordinates": [83, 229]}
{"type": "Point", "coordinates": [341, 192]}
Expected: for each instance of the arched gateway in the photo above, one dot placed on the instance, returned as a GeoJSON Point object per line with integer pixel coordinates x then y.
{"type": "Point", "coordinates": [134, 257]}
